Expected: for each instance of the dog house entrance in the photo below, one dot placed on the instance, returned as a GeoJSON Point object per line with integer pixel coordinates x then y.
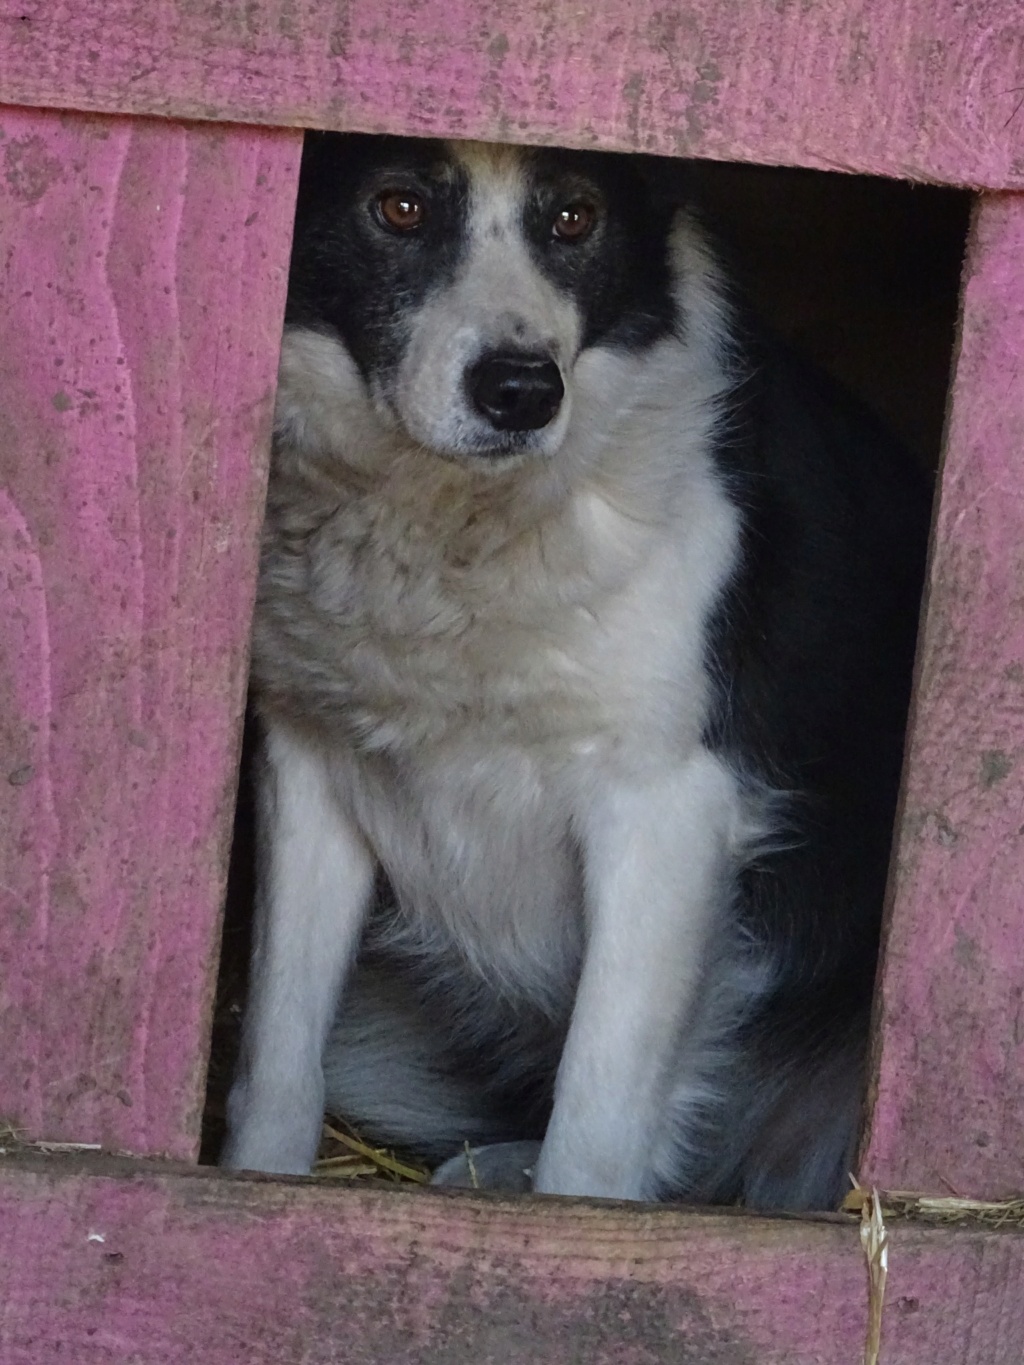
{"type": "Point", "coordinates": [861, 275]}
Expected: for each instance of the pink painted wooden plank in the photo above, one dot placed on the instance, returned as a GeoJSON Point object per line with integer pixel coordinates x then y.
{"type": "Point", "coordinates": [949, 1102]}
{"type": "Point", "coordinates": [143, 271]}
{"type": "Point", "coordinates": [924, 89]}
{"type": "Point", "coordinates": [171, 1269]}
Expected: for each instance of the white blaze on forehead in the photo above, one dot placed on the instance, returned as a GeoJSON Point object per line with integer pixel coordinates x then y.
{"type": "Point", "coordinates": [501, 282]}
{"type": "Point", "coordinates": [498, 300]}
{"type": "Point", "coordinates": [498, 185]}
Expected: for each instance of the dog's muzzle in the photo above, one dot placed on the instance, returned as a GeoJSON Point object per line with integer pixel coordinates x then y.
{"type": "Point", "coordinates": [515, 391]}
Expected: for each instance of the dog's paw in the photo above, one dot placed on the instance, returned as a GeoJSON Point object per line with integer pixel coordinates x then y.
{"type": "Point", "coordinates": [277, 1137]}
{"type": "Point", "coordinates": [505, 1166]}
{"type": "Point", "coordinates": [269, 1157]}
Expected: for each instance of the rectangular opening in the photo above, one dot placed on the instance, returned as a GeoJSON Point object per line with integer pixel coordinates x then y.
{"type": "Point", "coordinates": [861, 277]}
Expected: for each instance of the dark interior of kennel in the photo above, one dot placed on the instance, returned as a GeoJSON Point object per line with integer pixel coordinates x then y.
{"type": "Point", "coordinates": [862, 276]}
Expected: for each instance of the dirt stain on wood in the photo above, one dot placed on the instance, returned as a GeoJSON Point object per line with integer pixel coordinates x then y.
{"type": "Point", "coordinates": [29, 169]}
{"type": "Point", "coordinates": [996, 766]}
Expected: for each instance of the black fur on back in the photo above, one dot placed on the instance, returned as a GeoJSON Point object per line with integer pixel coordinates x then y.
{"type": "Point", "coordinates": [813, 648]}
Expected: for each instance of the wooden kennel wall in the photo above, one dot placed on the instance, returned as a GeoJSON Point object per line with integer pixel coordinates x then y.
{"type": "Point", "coordinates": [148, 161]}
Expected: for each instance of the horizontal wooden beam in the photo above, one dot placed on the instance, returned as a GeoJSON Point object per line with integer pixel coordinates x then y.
{"type": "Point", "coordinates": [143, 278]}
{"type": "Point", "coordinates": [922, 89]}
{"type": "Point", "coordinates": [948, 1110]}
{"type": "Point", "coordinates": [119, 1263]}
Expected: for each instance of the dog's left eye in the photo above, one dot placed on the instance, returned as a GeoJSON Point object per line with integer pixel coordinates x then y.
{"type": "Point", "coordinates": [574, 221]}
{"type": "Point", "coordinates": [400, 210]}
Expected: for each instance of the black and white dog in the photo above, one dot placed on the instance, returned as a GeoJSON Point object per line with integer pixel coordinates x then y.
{"type": "Point", "coordinates": [582, 653]}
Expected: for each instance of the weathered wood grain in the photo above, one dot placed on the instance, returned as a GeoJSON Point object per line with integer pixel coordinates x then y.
{"type": "Point", "coordinates": [949, 1104]}
{"type": "Point", "coordinates": [142, 279]}
{"type": "Point", "coordinates": [169, 1269]}
{"type": "Point", "coordinates": [925, 89]}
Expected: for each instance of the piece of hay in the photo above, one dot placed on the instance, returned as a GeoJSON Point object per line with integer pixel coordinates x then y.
{"type": "Point", "coordinates": [474, 1178]}
{"type": "Point", "coordinates": [359, 1158]}
{"type": "Point", "coordinates": [344, 1167]}
{"type": "Point", "coordinates": [940, 1208]}
{"type": "Point", "coordinates": [875, 1241]}
{"type": "Point", "coordinates": [12, 1140]}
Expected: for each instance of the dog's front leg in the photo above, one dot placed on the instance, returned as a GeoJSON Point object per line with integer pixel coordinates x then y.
{"type": "Point", "coordinates": [315, 886]}
{"type": "Point", "coordinates": [657, 869]}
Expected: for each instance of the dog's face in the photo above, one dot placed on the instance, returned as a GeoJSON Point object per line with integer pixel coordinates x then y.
{"type": "Point", "coordinates": [465, 280]}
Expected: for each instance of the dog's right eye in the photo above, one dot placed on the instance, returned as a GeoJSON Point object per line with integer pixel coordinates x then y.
{"type": "Point", "coordinates": [399, 210]}
{"type": "Point", "coordinates": [573, 222]}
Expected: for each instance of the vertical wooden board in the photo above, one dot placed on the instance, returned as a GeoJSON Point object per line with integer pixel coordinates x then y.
{"type": "Point", "coordinates": [948, 1102]}
{"type": "Point", "coordinates": [143, 274]}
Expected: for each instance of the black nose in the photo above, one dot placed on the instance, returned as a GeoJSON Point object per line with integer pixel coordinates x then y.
{"type": "Point", "coordinates": [516, 392]}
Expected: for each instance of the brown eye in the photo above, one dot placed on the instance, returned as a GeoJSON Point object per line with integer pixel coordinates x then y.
{"type": "Point", "coordinates": [574, 221]}
{"type": "Point", "coordinates": [400, 210]}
